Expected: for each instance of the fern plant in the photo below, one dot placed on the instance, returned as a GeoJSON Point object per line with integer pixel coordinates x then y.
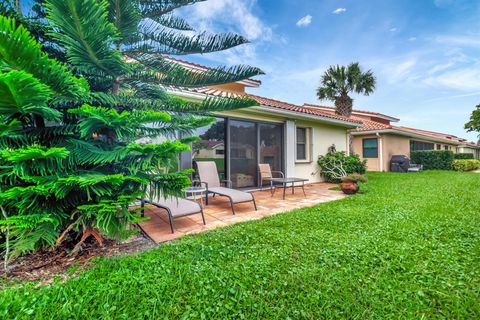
{"type": "Point", "coordinates": [69, 131]}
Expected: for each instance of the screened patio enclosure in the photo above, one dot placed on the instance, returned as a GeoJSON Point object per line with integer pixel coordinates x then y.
{"type": "Point", "coordinates": [237, 146]}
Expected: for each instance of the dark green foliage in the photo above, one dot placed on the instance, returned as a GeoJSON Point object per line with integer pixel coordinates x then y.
{"type": "Point", "coordinates": [407, 248]}
{"type": "Point", "coordinates": [474, 123]}
{"type": "Point", "coordinates": [466, 164]}
{"type": "Point", "coordinates": [463, 156]}
{"type": "Point", "coordinates": [334, 165]}
{"type": "Point", "coordinates": [433, 159]}
{"type": "Point", "coordinates": [70, 160]}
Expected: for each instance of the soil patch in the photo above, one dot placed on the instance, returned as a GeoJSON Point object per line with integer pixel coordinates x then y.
{"type": "Point", "coordinates": [45, 266]}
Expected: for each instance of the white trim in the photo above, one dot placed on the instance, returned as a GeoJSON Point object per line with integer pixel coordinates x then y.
{"type": "Point", "coordinates": [380, 151]}
{"type": "Point", "coordinates": [403, 133]}
{"type": "Point", "coordinates": [289, 148]}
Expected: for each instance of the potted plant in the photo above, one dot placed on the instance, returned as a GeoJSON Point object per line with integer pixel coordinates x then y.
{"type": "Point", "coordinates": [349, 184]}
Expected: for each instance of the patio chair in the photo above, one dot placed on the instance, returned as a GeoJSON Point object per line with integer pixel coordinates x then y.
{"type": "Point", "coordinates": [266, 174]}
{"type": "Point", "coordinates": [207, 171]}
{"type": "Point", "coordinates": [176, 207]}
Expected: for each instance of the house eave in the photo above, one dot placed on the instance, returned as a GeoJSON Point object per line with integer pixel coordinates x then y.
{"type": "Point", "coordinates": [402, 133]}
{"type": "Point", "coordinates": [303, 116]}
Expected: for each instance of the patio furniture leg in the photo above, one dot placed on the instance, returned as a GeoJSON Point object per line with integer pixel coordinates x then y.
{"type": "Point", "coordinates": [303, 189]}
{"type": "Point", "coordinates": [254, 203]}
{"type": "Point", "coordinates": [203, 216]}
{"type": "Point", "coordinates": [231, 203]}
{"type": "Point", "coordinates": [293, 187]}
{"type": "Point", "coordinates": [271, 188]}
{"type": "Point", "coordinates": [170, 220]}
{"type": "Point", "coordinates": [274, 190]}
{"type": "Point", "coordinates": [284, 188]}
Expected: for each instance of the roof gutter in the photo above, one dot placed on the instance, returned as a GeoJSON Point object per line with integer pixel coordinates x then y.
{"type": "Point", "coordinates": [403, 133]}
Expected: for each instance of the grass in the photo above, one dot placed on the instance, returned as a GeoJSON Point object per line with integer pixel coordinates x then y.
{"type": "Point", "coordinates": [408, 247]}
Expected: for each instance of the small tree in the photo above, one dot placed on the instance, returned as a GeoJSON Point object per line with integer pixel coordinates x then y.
{"type": "Point", "coordinates": [69, 157]}
{"type": "Point", "coordinates": [474, 124]}
{"type": "Point", "coordinates": [339, 82]}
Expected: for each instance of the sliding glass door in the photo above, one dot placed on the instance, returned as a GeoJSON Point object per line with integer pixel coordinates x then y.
{"type": "Point", "coordinates": [243, 153]}
{"type": "Point", "coordinates": [237, 147]}
{"type": "Point", "coordinates": [271, 142]}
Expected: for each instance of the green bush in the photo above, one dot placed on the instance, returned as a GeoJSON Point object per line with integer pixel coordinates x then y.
{"type": "Point", "coordinates": [466, 164]}
{"type": "Point", "coordinates": [433, 159]}
{"type": "Point", "coordinates": [463, 156]}
{"type": "Point", "coordinates": [334, 165]}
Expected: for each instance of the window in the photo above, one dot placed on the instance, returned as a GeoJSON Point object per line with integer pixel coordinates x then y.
{"type": "Point", "coordinates": [446, 147]}
{"type": "Point", "coordinates": [302, 144]}
{"type": "Point", "coordinates": [439, 147]}
{"type": "Point", "coordinates": [220, 152]}
{"type": "Point", "coordinates": [370, 148]}
{"type": "Point", "coordinates": [421, 146]}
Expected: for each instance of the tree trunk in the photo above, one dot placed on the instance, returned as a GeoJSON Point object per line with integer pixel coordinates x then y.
{"type": "Point", "coordinates": [343, 105]}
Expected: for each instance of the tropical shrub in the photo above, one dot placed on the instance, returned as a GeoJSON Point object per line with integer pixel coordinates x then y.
{"type": "Point", "coordinates": [354, 177]}
{"type": "Point", "coordinates": [335, 165]}
{"type": "Point", "coordinates": [70, 160]}
{"type": "Point", "coordinates": [463, 156]}
{"type": "Point", "coordinates": [466, 164]}
{"type": "Point", "coordinates": [433, 159]}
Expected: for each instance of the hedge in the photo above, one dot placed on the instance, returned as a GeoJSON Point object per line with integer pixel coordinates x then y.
{"type": "Point", "coordinates": [463, 155]}
{"type": "Point", "coordinates": [433, 159]}
{"type": "Point", "coordinates": [466, 165]}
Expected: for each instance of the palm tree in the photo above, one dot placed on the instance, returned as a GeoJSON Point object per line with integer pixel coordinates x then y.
{"type": "Point", "coordinates": [339, 81]}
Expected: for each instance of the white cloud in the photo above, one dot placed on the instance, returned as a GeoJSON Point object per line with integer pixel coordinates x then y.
{"type": "Point", "coordinates": [305, 21]}
{"type": "Point", "coordinates": [398, 72]}
{"type": "Point", "coordinates": [339, 10]}
{"type": "Point", "coordinates": [462, 41]}
{"type": "Point", "coordinates": [412, 39]}
{"type": "Point", "coordinates": [393, 29]}
{"type": "Point", "coordinates": [463, 79]}
{"type": "Point", "coordinates": [231, 14]}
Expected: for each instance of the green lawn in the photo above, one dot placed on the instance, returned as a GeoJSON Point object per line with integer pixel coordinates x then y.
{"type": "Point", "coordinates": [409, 247]}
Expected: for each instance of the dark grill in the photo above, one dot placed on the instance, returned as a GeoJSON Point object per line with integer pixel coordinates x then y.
{"type": "Point", "coordinates": [399, 163]}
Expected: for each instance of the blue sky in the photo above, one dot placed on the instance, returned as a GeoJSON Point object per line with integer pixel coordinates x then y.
{"type": "Point", "coordinates": [425, 53]}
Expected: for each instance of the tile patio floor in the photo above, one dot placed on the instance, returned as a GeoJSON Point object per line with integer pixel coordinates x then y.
{"type": "Point", "coordinates": [219, 214]}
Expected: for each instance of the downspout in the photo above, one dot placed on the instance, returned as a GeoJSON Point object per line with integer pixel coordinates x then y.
{"type": "Point", "coordinates": [380, 150]}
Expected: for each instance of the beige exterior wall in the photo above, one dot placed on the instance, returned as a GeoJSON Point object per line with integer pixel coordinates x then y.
{"type": "Point", "coordinates": [323, 137]}
{"type": "Point", "coordinates": [391, 144]}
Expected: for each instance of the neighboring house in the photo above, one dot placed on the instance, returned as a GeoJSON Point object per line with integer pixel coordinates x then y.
{"type": "Point", "coordinates": [378, 140]}
{"type": "Point", "coordinates": [288, 137]}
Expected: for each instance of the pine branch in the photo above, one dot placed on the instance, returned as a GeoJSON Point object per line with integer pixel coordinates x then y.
{"type": "Point", "coordinates": [152, 8]}
{"type": "Point", "coordinates": [158, 70]}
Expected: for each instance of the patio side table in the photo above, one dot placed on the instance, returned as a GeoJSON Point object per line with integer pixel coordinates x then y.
{"type": "Point", "coordinates": [284, 182]}
{"type": "Point", "coordinates": [196, 191]}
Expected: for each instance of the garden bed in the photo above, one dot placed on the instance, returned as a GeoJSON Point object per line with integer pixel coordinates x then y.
{"type": "Point", "coordinates": [46, 265]}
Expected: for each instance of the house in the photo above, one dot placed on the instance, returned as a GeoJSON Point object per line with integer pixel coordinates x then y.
{"type": "Point", "coordinates": [287, 136]}
{"type": "Point", "coordinates": [377, 140]}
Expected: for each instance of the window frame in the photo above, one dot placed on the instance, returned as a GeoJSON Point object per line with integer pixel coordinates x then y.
{"type": "Point", "coordinates": [363, 148]}
{"type": "Point", "coordinates": [307, 143]}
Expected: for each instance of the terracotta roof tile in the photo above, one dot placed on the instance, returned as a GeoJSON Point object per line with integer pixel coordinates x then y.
{"type": "Point", "coordinates": [332, 109]}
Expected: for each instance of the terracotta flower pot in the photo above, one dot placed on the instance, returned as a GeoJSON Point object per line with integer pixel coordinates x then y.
{"type": "Point", "coordinates": [349, 187]}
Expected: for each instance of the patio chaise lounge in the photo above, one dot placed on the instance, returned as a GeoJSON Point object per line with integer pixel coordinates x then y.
{"type": "Point", "coordinates": [207, 171]}
{"type": "Point", "coordinates": [176, 207]}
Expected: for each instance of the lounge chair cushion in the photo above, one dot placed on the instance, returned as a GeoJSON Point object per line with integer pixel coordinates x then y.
{"type": "Point", "coordinates": [178, 206]}
{"type": "Point", "coordinates": [237, 196]}
{"type": "Point", "coordinates": [207, 170]}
